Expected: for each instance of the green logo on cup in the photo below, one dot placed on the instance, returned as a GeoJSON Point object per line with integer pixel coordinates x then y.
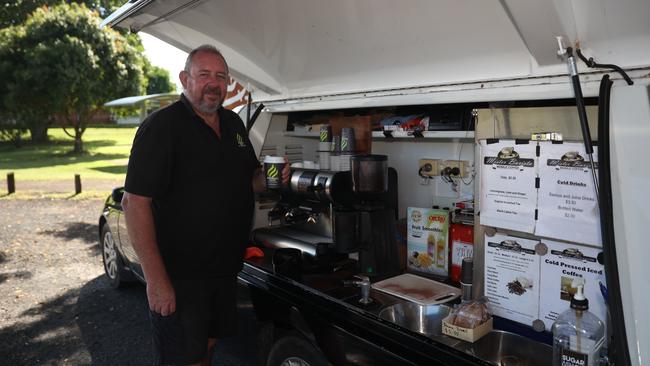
{"type": "Point", "coordinates": [273, 172]}
{"type": "Point", "coordinates": [323, 136]}
{"type": "Point", "coordinates": [344, 143]}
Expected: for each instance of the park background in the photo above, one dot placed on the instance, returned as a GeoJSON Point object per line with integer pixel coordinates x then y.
{"type": "Point", "coordinates": [58, 69]}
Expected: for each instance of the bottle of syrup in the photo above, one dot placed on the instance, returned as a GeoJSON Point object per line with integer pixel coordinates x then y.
{"type": "Point", "coordinates": [578, 334]}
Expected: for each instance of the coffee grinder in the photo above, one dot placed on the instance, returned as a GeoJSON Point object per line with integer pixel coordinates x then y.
{"type": "Point", "coordinates": [374, 187]}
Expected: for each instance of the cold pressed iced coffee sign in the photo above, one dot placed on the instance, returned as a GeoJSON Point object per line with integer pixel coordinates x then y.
{"type": "Point", "coordinates": [567, 207]}
{"type": "Point", "coordinates": [508, 192]}
{"type": "Point", "coordinates": [564, 263]}
{"type": "Point", "coordinates": [530, 282]}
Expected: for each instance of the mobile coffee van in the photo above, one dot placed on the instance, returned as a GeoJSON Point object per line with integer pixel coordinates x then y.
{"type": "Point", "coordinates": [536, 113]}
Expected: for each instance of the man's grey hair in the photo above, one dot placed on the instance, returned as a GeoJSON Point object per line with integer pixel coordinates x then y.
{"type": "Point", "coordinates": [204, 48]}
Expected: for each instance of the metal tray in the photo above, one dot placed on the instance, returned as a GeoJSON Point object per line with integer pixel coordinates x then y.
{"type": "Point", "coordinates": [417, 289]}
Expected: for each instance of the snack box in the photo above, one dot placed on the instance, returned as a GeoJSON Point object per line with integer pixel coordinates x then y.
{"type": "Point", "coordinates": [466, 334]}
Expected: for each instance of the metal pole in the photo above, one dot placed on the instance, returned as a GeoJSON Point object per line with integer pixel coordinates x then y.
{"type": "Point", "coordinates": [582, 115]}
{"type": "Point", "coordinates": [11, 183]}
{"type": "Point", "coordinates": [580, 104]}
{"type": "Point", "coordinates": [77, 183]}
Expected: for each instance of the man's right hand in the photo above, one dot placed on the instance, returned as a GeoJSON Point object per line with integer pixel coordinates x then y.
{"type": "Point", "coordinates": [142, 231]}
{"type": "Point", "coordinates": [162, 297]}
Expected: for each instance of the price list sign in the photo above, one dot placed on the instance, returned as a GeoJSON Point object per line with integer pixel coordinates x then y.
{"type": "Point", "coordinates": [512, 277]}
{"type": "Point", "coordinates": [567, 207]}
{"type": "Point", "coordinates": [508, 192]}
{"type": "Point", "coordinates": [564, 263]}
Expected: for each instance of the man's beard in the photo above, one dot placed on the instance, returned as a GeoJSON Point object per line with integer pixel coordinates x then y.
{"type": "Point", "coordinates": [204, 106]}
{"type": "Point", "coordinates": [208, 109]}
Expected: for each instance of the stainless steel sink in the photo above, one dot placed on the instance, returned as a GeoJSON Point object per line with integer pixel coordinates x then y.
{"type": "Point", "coordinates": [419, 318]}
{"type": "Point", "coordinates": [509, 349]}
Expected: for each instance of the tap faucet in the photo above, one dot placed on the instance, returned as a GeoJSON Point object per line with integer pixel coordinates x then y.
{"type": "Point", "coordinates": [364, 283]}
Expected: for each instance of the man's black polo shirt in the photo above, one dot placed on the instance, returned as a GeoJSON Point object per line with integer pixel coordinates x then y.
{"type": "Point", "coordinates": [200, 185]}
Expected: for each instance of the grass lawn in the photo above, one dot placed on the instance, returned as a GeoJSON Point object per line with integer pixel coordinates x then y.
{"type": "Point", "coordinates": [106, 156]}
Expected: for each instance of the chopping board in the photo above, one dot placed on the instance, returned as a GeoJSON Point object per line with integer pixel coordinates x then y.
{"type": "Point", "coordinates": [417, 289]}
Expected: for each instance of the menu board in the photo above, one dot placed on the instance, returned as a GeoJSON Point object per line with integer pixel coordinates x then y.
{"type": "Point", "coordinates": [508, 192]}
{"type": "Point", "coordinates": [568, 206]}
{"type": "Point", "coordinates": [563, 263]}
{"type": "Point", "coordinates": [511, 279]}
{"type": "Point", "coordinates": [427, 242]}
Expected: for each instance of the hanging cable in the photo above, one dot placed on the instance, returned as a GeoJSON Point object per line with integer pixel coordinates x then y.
{"type": "Point", "coordinates": [618, 351]}
{"type": "Point", "coordinates": [422, 175]}
{"type": "Point", "coordinates": [593, 64]}
{"type": "Point", "coordinates": [472, 122]}
{"type": "Point", "coordinates": [618, 345]}
{"type": "Point", "coordinates": [249, 101]}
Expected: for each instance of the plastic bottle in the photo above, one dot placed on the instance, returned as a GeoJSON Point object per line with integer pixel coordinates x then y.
{"type": "Point", "coordinates": [578, 335]}
{"type": "Point", "coordinates": [431, 245]}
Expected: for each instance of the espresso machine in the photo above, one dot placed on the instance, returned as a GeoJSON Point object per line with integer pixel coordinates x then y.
{"type": "Point", "coordinates": [329, 215]}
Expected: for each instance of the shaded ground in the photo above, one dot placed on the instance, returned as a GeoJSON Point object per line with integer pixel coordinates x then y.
{"type": "Point", "coordinates": [56, 308]}
{"type": "Point", "coordinates": [37, 188]}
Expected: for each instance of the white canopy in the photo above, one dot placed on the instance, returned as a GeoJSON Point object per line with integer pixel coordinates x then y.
{"type": "Point", "coordinates": [291, 49]}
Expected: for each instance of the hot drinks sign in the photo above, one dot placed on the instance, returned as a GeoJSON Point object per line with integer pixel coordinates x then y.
{"type": "Point", "coordinates": [508, 193]}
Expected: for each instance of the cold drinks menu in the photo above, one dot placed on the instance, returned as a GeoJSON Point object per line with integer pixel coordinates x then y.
{"type": "Point", "coordinates": [567, 204]}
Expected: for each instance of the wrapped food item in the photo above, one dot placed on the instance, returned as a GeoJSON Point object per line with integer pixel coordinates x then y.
{"type": "Point", "coordinates": [471, 314]}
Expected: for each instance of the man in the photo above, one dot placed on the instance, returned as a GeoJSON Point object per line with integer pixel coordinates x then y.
{"type": "Point", "coordinates": [188, 205]}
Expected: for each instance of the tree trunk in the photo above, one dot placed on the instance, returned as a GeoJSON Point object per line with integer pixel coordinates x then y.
{"type": "Point", "coordinates": [78, 142]}
{"type": "Point", "coordinates": [38, 134]}
{"type": "Point", "coordinates": [17, 141]}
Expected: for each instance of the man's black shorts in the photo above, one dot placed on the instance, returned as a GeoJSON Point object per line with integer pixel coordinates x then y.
{"type": "Point", "coordinates": [205, 309]}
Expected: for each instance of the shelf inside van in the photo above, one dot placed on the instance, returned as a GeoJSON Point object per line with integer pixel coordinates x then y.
{"type": "Point", "coordinates": [428, 134]}
{"type": "Point", "coordinates": [302, 133]}
{"type": "Point", "coordinates": [469, 135]}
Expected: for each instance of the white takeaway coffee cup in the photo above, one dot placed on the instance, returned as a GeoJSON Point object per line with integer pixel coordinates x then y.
{"type": "Point", "coordinates": [273, 166]}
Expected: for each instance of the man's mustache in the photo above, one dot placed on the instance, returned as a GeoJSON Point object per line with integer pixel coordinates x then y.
{"type": "Point", "coordinates": [211, 90]}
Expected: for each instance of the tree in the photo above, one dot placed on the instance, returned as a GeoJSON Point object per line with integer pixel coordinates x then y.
{"type": "Point", "coordinates": [159, 81]}
{"type": "Point", "coordinates": [35, 118]}
{"type": "Point", "coordinates": [11, 130]}
{"type": "Point", "coordinates": [66, 66]}
{"type": "Point", "coordinates": [15, 12]}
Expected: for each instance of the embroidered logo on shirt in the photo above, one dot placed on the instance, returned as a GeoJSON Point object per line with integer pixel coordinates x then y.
{"type": "Point", "coordinates": [240, 140]}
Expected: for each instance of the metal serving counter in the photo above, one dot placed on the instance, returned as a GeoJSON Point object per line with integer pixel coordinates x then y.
{"type": "Point", "coordinates": [321, 301]}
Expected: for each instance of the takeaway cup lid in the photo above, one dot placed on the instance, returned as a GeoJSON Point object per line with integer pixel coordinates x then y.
{"type": "Point", "coordinates": [273, 159]}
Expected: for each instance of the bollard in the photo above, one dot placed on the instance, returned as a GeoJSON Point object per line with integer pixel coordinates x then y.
{"type": "Point", "coordinates": [11, 183]}
{"type": "Point", "coordinates": [77, 184]}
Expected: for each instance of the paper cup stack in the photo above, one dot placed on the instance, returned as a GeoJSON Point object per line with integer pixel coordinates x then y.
{"type": "Point", "coordinates": [324, 147]}
{"type": "Point", "coordinates": [335, 150]}
{"type": "Point", "coordinates": [347, 148]}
